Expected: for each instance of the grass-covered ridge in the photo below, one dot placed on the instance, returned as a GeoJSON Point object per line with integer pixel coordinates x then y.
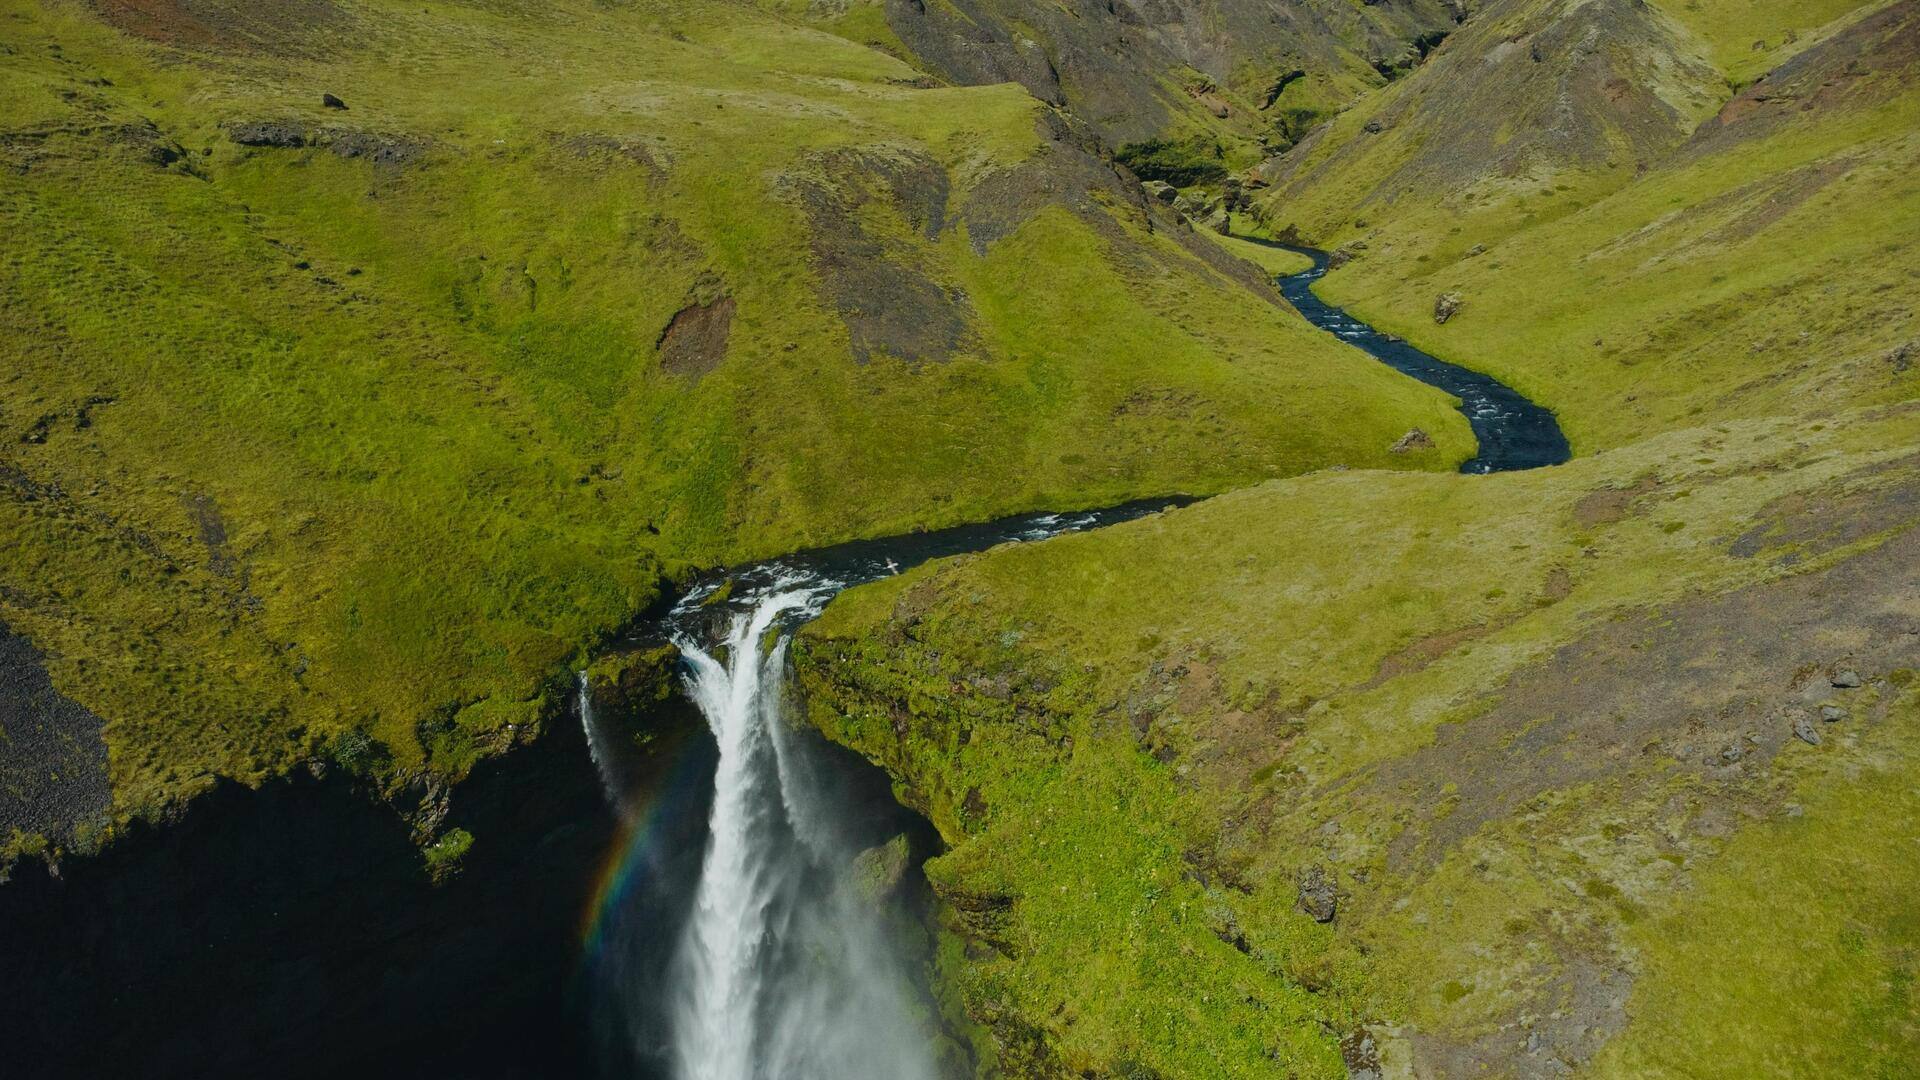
{"type": "Point", "coordinates": [348, 429]}
{"type": "Point", "coordinates": [1556, 750]}
{"type": "Point", "coordinates": [1475, 706]}
{"type": "Point", "coordinates": [1737, 255]}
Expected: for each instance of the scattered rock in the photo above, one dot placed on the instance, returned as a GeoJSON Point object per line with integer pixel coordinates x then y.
{"type": "Point", "coordinates": [1319, 896]}
{"type": "Point", "coordinates": [1361, 1055]}
{"type": "Point", "coordinates": [1902, 357]}
{"type": "Point", "coordinates": [148, 143]}
{"type": "Point", "coordinates": [1804, 730]}
{"type": "Point", "coordinates": [1832, 713]}
{"type": "Point", "coordinates": [278, 133]}
{"type": "Point", "coordinates": [1412, 440]}
{"type": "Point", "coordinates": [878, 871]}
{"type": "Point", "coordinates": [1374, 127]}
{"type": "Point", "coordinates": [1339, 258]}
{"type": "Point", "coordinates": [379, 149]}
{"type": "Point", "coordinates": [1226, 927]}
{"type": "Point", "coordinates": [1161, 190]}
{"type": "Point", "coordinates": [1845, 679]}
{"type": "Point", "coordinates": [1447, 305]}
{"type": "Point", "coordinates": [332, 102]}
{"type": "Point", "coordinates": [1476, 250]}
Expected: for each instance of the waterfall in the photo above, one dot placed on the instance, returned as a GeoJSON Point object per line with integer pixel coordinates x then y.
{"type": "Point", "coordinates": [784, 971]}
{"type": "Point", "coordinates": [742, 940]}
{"type": "Point", "coordinates": [604, 761]}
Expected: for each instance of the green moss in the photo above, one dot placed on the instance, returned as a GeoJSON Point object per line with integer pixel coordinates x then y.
{"type": "Point", "coordinates": [444, 854]}
{"type": "Point", "coordinates": [1185, 162]}
{"type": "Point", "coordinates": [1804, 930]}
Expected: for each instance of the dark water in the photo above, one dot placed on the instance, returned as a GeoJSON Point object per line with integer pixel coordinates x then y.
{"type": "Point", "coordinates": [1514, 432]}
{"type": "Point", "coordinates": [828, 570]}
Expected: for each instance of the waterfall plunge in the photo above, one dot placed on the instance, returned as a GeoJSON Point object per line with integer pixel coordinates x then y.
{"type": "Point", "coordinates": [784, 971]}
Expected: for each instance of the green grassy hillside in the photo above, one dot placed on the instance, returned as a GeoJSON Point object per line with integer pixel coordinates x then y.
{"type": "Point", "coordinates": [1535, 731]}
{"type": "Point", "coordinates": [343, 429]}
{"type": "Point", "coordinates": [1597, 770]}
{"type": "Point", "coordinates": [1651, 272]}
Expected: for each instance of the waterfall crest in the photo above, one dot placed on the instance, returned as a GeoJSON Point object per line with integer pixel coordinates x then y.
{"type": "Point", "coordinates": [737, 941]}
{"type": "Point", "coordinates": [783, 971]}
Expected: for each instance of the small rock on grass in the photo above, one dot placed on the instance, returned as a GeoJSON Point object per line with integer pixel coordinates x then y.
{"type": "Point", "coordinates": [1447, 305]}
{"type": "Point", "coordinates": [1319, 896]}
{"type": "Point", "coordinates": [1845, 679]}
{"type": "Point", "coordinates": [1803, 728]}
{"type": "Point", "coordinates": [1832, 713]}
{"type": "Point", "coordinates": [1412, 440]}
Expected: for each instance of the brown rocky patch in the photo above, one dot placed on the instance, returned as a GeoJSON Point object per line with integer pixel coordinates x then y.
{"type": "Point", "coordinates": [1868, 62]}
{"type": "Point", "coordinates": [213, 533]}
{"type": "Point", "coordinates": [1542, 88]}
{"type": "Point", "coordinates": [301, 28]}
{"type": "Point", "coordinates": [1864, 504]}
{"type": "Point", "coordinates": [1610, 505]}
{"type": "Point", "coordinates": [1421, 653]}
{"type": "Point", "coordinates": [380, 148]}
{"type": "Point", "coordinates": [880, 285]}
{"type": "Point", "coordinates": [695, 340]}
{"type": "Point", "coordinates": [1708, 686]}
{"type": "Point", "coordinates": [627, 150]}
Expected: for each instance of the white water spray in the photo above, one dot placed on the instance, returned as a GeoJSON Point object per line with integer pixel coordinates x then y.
{"type": "Point", "coordinates": [784, 972]}
{"type": "Point", "coordinates": [604, 760]}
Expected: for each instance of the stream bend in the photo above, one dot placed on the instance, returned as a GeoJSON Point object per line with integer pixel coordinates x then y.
{"type": "Point", "coordinates": [774, 968]}
{"type": "Point", "coordinates": [1514, 432]}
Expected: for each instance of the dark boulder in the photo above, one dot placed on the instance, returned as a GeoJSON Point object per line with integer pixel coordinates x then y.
{"type": "Point", "coordinates": [332, 102]}
{"type": "Point", "coordinates": [1319, 895]}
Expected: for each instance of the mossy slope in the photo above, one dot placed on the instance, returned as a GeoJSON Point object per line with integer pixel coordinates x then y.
{"type": "Point", "coordinates": [1558, 751]}
{"type": "Point", "coordinates": [1476, 707]}
{"type": "Point", "coordinates": [360, 423]}
{"type": "Point", "coordinates": [1641, 262]}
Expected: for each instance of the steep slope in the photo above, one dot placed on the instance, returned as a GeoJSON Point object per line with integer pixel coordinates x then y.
{"type": "Point", "coordinates": [1753, 262]}
{"type": "Point", "coordinates": [1480, 776]}
{"type": "Point", "coordinates": [366, 362]}
{"type": "Point", "coordinates": [1598, 770]}
{"type": "Point", "coordinates": [1139, 70]}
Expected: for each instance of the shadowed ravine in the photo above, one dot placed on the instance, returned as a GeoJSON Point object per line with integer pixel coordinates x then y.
{"type": "Point", "coordinates": [1514, 433]}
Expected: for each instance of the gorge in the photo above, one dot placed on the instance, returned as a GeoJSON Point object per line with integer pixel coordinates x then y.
{"type": "Point", "coordinates": [387, 389]}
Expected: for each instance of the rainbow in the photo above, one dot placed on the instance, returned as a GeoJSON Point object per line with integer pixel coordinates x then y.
{"type": "Point", "coordinates": [650, 822]}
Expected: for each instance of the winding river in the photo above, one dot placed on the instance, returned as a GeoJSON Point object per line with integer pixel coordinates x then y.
{"type": "Point", "coordinates": [1514, 433]}
{"type": "Point", "coordinates": [766, 960]}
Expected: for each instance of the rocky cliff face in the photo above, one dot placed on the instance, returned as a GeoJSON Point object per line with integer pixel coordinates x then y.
{"type": "Point", "coordinates": [296, 930]}
{"type": "Point", "coordinates": [1527, 92]}
{"type": "Point", "coordinates": [1142, 69]}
